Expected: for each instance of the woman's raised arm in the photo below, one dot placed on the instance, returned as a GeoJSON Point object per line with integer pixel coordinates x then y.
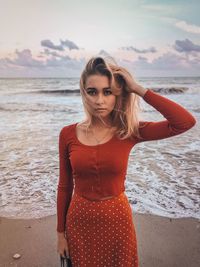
{"type": "Point", "coordinates": [178, 119]}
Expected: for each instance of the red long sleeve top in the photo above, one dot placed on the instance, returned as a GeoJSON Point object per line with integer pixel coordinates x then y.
{"type": "Point", "coordinates": [100, 170]}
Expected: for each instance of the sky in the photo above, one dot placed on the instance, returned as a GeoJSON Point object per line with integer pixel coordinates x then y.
{"type": "Point", "coordinates": [55, 38]}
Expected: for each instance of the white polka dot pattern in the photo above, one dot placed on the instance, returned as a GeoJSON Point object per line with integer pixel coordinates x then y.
{"type": "Point", "coordinates": [101, 233]}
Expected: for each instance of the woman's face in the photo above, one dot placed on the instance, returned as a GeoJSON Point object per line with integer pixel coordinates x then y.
{"type": "Point", "coordinates": [99, 95]}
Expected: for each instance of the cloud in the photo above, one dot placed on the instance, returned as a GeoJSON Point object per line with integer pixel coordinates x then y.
{"type": "Point", "coordinates": [61, 62]}
{"type": "Point", "coordinates": [54, 64]}
{"type": "Point", "coordinates": [187, 27]}
{"type": "Point", "coordinates": [144, 59]}
{"type": "Point", "coordinates": [69, 44]}
{"type": "Point", "coordinates": [186, 46]}
{"type": "Point", "coordinates": [49, 44]}
{"type": "Point", "coordinates": [24, 65]}
{"type": "Point", "coordinates": [140, 51]}
{"type": "Point", "coordinates": [168, 62]}
{"type": "Point", "coordinates": [24, 59]}
{"type": "Point", "coordinates": [103, 53]}
{"type": "Point", "coordinates": [51, 53]}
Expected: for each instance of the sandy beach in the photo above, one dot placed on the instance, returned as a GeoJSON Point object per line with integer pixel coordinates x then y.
{"type": "Point", "coordinates": [162, 242]}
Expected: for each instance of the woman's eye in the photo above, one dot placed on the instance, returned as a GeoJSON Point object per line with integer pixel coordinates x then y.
{"type": "Point", "coordinates": [91, 92]}
{"type": "Point", "coordinates": [109, 92]}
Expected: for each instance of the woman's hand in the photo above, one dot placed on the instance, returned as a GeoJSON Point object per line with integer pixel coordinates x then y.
{"type": "Point", "coordinates": [132, 85]}
{"type": "Point", "coordinates": [62, 246]}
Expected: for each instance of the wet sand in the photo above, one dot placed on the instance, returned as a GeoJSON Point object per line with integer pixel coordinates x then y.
{"type": "Point", "coordinates": [162, 242]}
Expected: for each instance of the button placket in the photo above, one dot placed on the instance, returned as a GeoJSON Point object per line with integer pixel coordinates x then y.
{"type": "Point", "coordinates": [98, 180]}
{"type": "Point", "coordinates": [94, 153]}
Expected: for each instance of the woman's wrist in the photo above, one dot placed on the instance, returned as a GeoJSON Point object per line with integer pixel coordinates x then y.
{"type": "Point", "coordinates": [140, 90]}
{"type": "Point", "coordinates": [61, 234]}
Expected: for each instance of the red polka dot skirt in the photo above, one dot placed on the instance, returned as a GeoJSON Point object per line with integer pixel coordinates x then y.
{"type": "Point", "coordinates": [101, 233]}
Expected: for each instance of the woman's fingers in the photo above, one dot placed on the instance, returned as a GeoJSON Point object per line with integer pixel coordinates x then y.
{"type": "Point", "coordinates": [124, 74]}
{"type": "Point", "coordinates": [62, 248]}
{"type": "Point", "coordinates": [66, 254]}
{"type": "Point", "coordinates": [131, 83]}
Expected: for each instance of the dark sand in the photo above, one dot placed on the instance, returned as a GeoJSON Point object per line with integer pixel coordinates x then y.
{"type": "Point", "coordinates": [162, 242]}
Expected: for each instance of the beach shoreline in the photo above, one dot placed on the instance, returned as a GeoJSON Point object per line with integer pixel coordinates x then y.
{"type": "Point", "coordinates": [162, 241]}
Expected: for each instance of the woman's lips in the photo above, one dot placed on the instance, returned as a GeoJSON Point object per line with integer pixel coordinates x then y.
{"type": "Point", "coordinates": [100, 109]}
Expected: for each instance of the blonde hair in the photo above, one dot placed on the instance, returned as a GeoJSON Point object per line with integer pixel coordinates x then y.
{"type": "Point", "coordinates": [125, 114]}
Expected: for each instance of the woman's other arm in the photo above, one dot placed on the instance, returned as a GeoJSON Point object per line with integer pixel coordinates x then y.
{"type": "Point", "coordinates": [65, 183]}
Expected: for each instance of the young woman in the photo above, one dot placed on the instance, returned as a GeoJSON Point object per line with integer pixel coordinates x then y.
{"type": "Point", "coordinates": [94, 218]}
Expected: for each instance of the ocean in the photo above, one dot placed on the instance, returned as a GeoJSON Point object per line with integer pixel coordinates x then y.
{"type": "Point", "coordinates": [163, 176]}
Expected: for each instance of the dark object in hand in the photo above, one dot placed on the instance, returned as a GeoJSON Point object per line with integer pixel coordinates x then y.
{"type": "Point", "coordinates": [65, 261]}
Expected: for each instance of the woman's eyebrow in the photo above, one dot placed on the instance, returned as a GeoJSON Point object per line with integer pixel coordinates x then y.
{"type": "Point", "coordinates": [96, 88]}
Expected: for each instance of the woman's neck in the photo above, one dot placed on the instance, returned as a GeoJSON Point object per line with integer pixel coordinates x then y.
{"type": "Point", "coordinates": [97, 123]}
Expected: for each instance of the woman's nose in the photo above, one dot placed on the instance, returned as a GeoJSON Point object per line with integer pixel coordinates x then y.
{"type": "Point", "coordinates": [100, 99]}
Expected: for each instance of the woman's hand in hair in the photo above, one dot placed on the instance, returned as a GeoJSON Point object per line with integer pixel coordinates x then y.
{"type": "Point", "coordinates": [131, 86]}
